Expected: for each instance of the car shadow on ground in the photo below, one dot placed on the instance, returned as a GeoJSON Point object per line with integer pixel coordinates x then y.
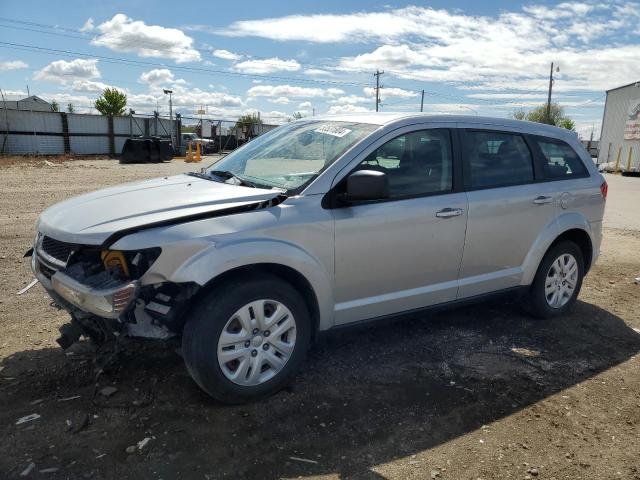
{"type": "Point", "coordinates": [365, 397]}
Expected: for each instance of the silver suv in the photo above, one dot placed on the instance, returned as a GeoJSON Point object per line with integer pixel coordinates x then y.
{"type": "Point", "coordinates": [320, 224]}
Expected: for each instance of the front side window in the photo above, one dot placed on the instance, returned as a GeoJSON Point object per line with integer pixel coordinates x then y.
{"type": "Point", "coordinates": [416, 163]}
{"type": "Point", "coordinates": [560, 160]}
{"type": "Point", "coordinates": [290, 156]}
{"type": "Point", "coordinates": [497, 159]}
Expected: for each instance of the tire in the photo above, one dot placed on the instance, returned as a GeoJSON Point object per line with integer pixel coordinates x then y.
{"type": "Point", "coordinates": [540, 301]}
{"type": "Point", "coordinates": [215, 320]}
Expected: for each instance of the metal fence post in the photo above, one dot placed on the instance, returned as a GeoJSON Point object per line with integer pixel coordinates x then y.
{"type": "Point", "coordinates": [112, 138]}
{"type": "Point", "coordinates": [65, 132]}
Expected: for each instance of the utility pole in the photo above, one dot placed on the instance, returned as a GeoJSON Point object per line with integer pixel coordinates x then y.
{"type": "Point", "coordinates": [422, 102]}
{"type": "Point", "coordinates": [548, 113]}
{"type": "Point", "coordinates": [377, 75]}
{"type": "Point", "coordinates": [170, 93]}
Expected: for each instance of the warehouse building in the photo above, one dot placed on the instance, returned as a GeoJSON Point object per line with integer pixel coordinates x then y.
{"type": "Point", "coordinates": [620, 134]}
{"type": "Point", "coordinates": [32, 103]}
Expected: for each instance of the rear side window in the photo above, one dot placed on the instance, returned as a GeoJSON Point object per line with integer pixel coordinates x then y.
{"type": "Point", "coordinates": [497, 159]}
{"type": "Point", "coordinates": [559, 160]}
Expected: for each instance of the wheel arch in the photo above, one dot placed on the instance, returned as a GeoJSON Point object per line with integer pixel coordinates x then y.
{"type": "Point", "coordinates": [581, 238]}
{"type": "Point", "coordinates": [573, 227]}
{"type": "Point", "coordinates": [286, 273]}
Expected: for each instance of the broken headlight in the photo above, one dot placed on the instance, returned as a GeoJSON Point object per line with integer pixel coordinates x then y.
{"type": "Point", "coordinates": [129, 264]}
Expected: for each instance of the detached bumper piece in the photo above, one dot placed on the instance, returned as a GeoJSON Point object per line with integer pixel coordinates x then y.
{"type": "Point", "coordinates": [103, 296]}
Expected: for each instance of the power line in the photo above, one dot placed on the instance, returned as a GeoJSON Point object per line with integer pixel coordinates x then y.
{"type": "Point", "coordinates": [265, 60]}
{"type": "Point", "coordinates": [207, 71]}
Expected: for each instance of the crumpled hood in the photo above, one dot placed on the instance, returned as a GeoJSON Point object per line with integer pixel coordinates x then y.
{"type": "Point", "coordinates": [91, 218]}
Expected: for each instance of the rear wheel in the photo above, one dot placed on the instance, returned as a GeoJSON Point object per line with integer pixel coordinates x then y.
{"type": "Point", "coordinates": [246, 340]}
{"type": "Point", "coordinates": [557, 281]}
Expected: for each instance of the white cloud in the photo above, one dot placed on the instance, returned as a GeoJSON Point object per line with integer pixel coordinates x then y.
{"type": "Point", "coordinates": [351, 100]}
{"type": "Point", "coordinates": [506, 50]}
{"type": "Point", "coordinates": [63, 71]}
{"type": "Point", "coordinates": [315, 72]}
{"type": "Point", "coordinates": [88, 25]}
{"type": "Point", "coordinates": [291, 91]}
{"type": "Point", "coordinates": [12, 65]}
{"type": "Point", "coordinates": [498, 96]}
{"type": "Point", "coordinates": [280, 100]}
{"type": "Point", "coordinates": [267, 65]}
{"type": "Point", "coordinates": [386, 56]}
{"type": "Point", "coordinates": [390, 92]}
{"type": "Point", "coordinates": [338, 109]}
{"type": "Point", "coordinates": [196, 97]}
{"type": "Point", "coordinates": [124, 34]}
{"type": "Point", "coordinates": [305, 105]}
{"type": "Point", "coordinates": [321, 28]}
{"type": "Point", "coordinates": [157, 76]}
{"type": "Point", "coordinates": [275, 117]}
{"type": "Point", "coordinates": [89, 86]}
{"type": "Point", "coordinates": [226, 55]}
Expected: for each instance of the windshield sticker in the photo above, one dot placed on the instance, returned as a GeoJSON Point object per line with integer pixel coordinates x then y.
{"type": "Point", "coordinates": [334, 130]}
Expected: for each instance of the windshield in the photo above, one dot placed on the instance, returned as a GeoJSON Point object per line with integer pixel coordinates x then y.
{"type": "Point", "coordinates": [292, 155]}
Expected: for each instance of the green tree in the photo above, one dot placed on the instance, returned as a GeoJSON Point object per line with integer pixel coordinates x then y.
{"type": "Point", "coordinates": [70, 108]}
{"type": "Point", "coordinates": [296, 116]}
{"type": "Point", "coordinates": [247, 121]}
{"type": "Point", "coordinates": [539, 115]}
{"type": "Point", "coordinates": [111, 102]}
{"type": "Point", "coordinates": [55, 106]}
{"type": "Point", "coordinates": [567, 123]}
{"type": "Point", "coordinates": [519, 114]}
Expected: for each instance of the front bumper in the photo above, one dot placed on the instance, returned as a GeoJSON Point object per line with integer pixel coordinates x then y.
{"type": "Point", "coordinates": [102, 296]}
{"type": "Point", "coordinates": [109, 302]}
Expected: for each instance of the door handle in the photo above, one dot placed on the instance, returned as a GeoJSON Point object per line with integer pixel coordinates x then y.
{"type": "Point", "coordinates": [542, 199]}
{"type": "Point", "coordinates": [449, 212]}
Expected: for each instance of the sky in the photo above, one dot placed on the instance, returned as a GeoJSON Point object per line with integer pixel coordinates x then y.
{"type": "Point", "coordinates": [470, 57]}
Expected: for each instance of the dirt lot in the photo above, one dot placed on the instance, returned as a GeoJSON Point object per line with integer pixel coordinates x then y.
{"type": "Point", "coordinates": [480, 392]}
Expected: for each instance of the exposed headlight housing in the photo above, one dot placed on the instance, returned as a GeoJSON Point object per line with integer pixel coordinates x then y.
{"type": "Point", "coordinates": [109, 300]}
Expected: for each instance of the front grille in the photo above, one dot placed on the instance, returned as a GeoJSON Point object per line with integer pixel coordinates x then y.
{"type": "Point", "coordinates": [57, 249]}
{"type": "Point", "coordinates": [46, 271]}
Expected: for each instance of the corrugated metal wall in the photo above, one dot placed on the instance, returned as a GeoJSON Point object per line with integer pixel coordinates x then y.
{"type": "Point", "coordinates": [613, 125]}
{"type": "Point", "coordinates": [43, 133]}
{"type": "Point", "coordinates": [33, 127]}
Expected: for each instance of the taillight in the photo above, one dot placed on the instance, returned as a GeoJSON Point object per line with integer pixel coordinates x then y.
{"type": "Point", "coordinates": [604, 189]}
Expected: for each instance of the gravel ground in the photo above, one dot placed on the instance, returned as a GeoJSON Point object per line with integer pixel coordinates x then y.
{"type": "Point", "coordinates": [482, 392]}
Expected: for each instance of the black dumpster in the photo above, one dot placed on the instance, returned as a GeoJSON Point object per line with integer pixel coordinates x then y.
{"type": "Point", "coordinates": [146, 150]}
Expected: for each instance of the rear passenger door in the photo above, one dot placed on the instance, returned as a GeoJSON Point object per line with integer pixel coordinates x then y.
{"type": "Point", "coordinates": [569, 178]}
{"type": "Point", "coordinates": [508, 208]}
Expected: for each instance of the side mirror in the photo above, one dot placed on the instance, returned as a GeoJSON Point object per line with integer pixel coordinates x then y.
{"type": "Point", "coordinates": [366, 185]}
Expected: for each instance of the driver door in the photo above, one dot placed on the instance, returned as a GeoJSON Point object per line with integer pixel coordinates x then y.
{"type": "Point", "coordinates": [404, 252]}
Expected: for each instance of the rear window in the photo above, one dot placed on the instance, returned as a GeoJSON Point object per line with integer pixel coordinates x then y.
{"type": "Point", "coordinates": [497, 159]}
{"type": "Point", "coordinates": [559, 159]}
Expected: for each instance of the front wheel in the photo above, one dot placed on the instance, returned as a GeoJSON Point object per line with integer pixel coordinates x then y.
{"type": "Point", "coordinates": [244, 341]}
{"type": "Point", "coordinates": [557, 282]}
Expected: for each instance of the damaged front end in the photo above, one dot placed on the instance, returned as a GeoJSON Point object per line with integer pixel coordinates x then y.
{"type": "Point", "coordinates": [103, 292]}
